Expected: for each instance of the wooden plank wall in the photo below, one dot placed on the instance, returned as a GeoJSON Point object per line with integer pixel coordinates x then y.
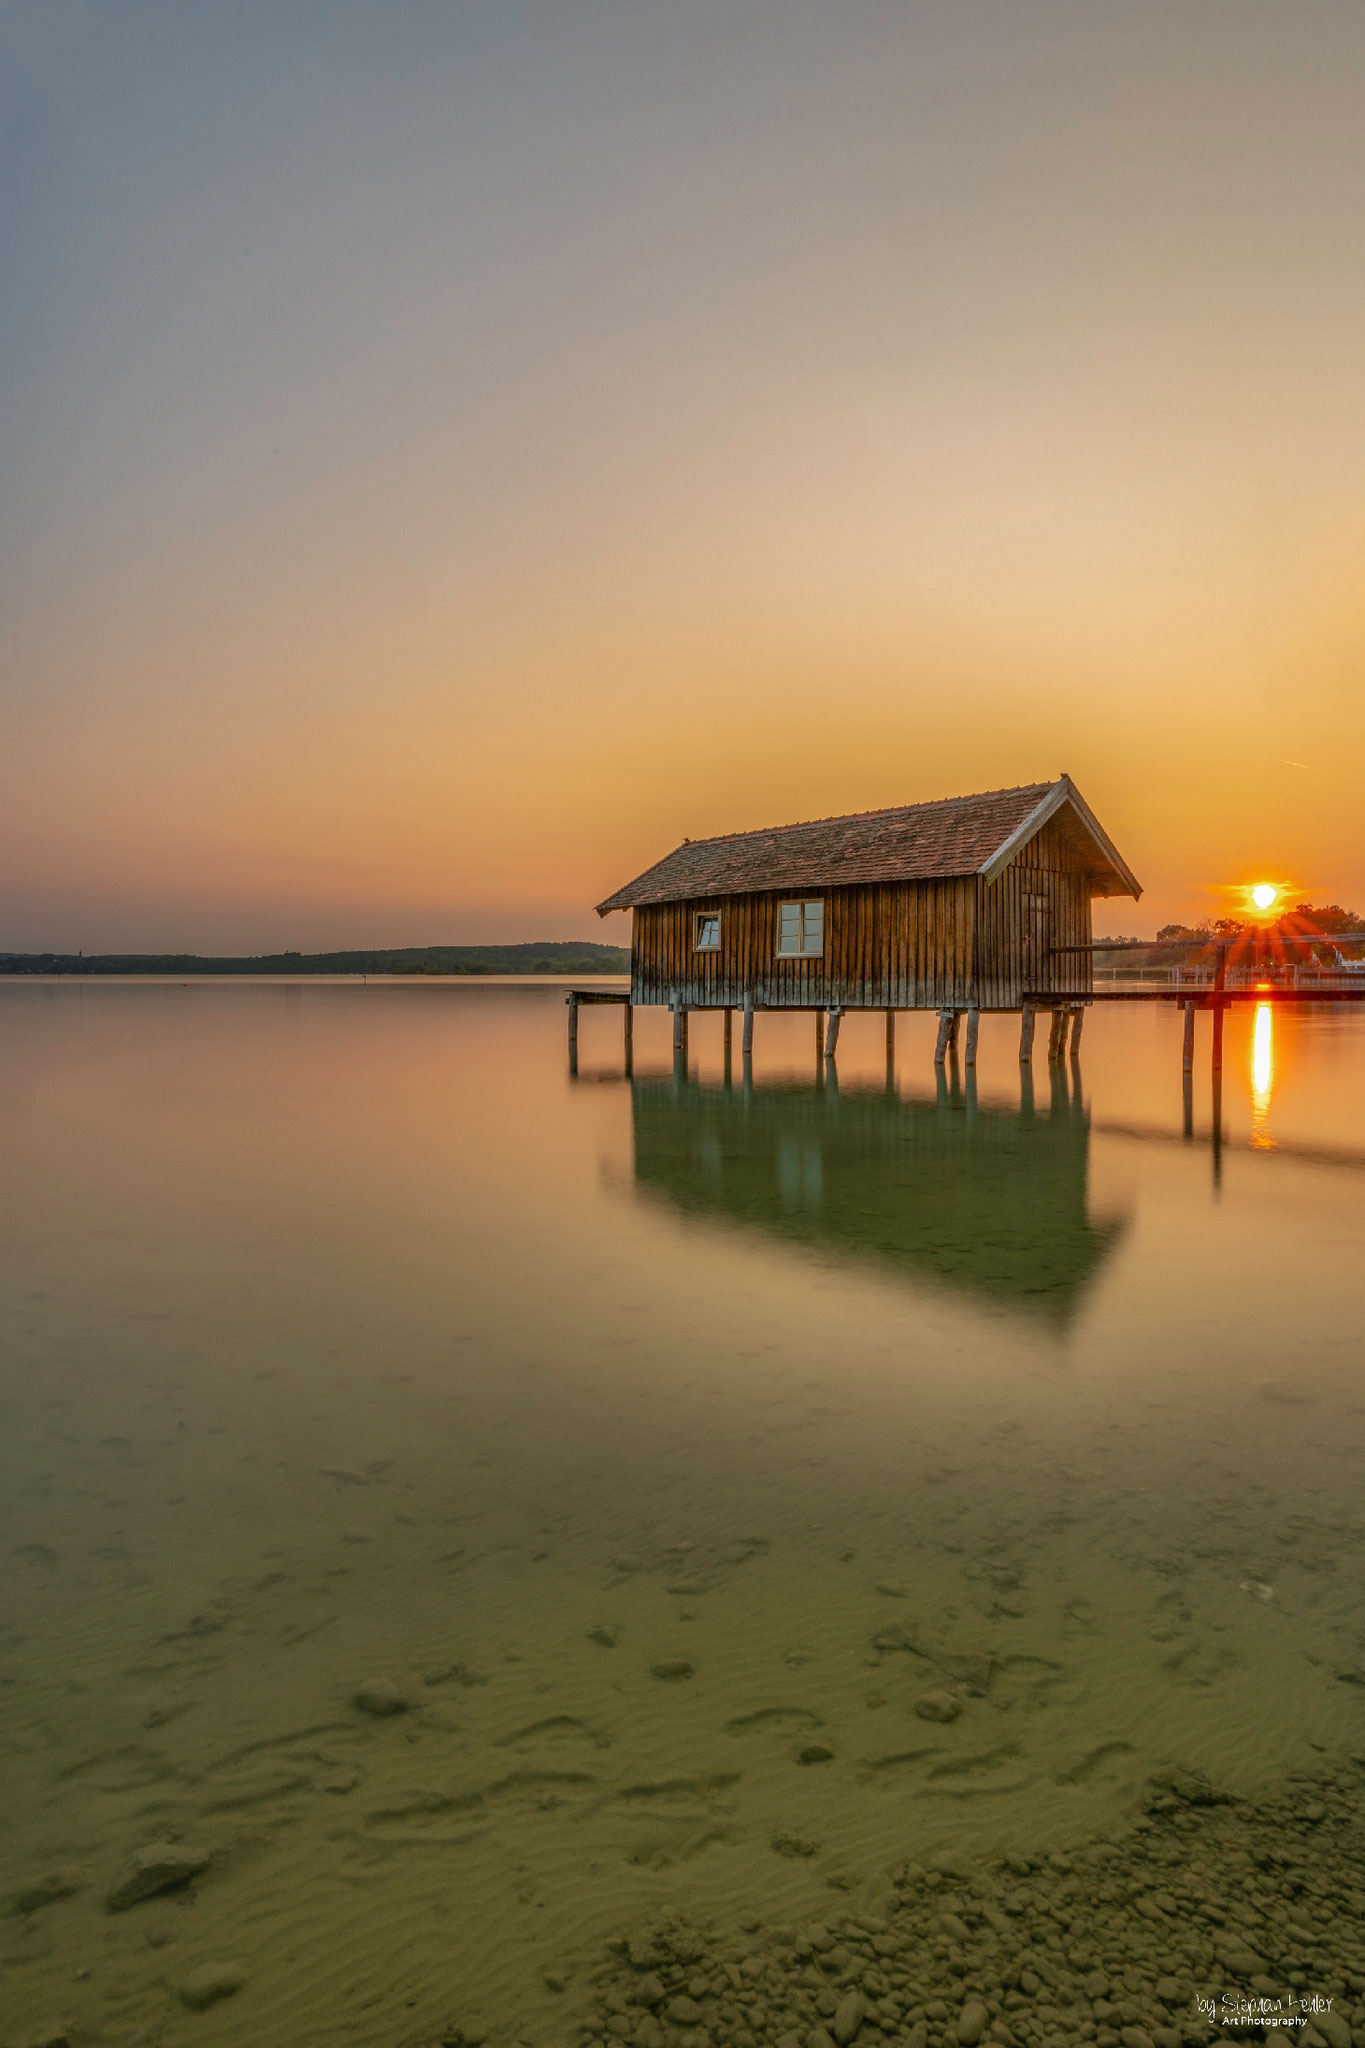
{"type": "Point", "coordinates": [894, 945]}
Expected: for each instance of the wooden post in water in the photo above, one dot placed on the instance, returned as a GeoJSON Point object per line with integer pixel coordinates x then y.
{"type": "Point", "coordinates": [747, 1044]}
{"type": "Point", "coordinates": [1056, 1037]}
{"type": "Point", "coordinates": [1026, 1034]}
{"type": "Point", "coordinates": [832, 1034]}
{"type": "Point", "coordinates": [890, 1034]}
{"type": "Point", "coordinates": [1220, 982]}
{"type": "Point", "coordinates": [1187, 1056]}
{"type": "Point", "coordinates": [947, 1022]}
{"type": "Point", "coordinates": [729, 1022]}
{"type": "Point", "coordinates": [973, 1027]}
{"type": "Point", "coordinates": [1077, 1022]}
{"type": "Point", "coordinates": [819, 1036]}
{"type": "Point", "coordinates": [628, 1032]}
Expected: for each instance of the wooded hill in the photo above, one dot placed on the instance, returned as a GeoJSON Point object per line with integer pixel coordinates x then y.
{"type": "Point", "coordinates": [537, 956]}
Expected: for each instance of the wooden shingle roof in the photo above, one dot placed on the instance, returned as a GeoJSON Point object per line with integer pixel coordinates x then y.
{"type": "Point", "coordinates": [958, 835]}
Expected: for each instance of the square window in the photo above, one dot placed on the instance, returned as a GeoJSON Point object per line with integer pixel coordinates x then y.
{"type": "Point", "coordinates": [801, 929]}
{"type": "Point", "coordinates": [707, 932]}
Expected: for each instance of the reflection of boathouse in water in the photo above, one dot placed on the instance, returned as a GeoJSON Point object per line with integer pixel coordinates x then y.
{"type": "Point", "coordinates": [985, 1200]}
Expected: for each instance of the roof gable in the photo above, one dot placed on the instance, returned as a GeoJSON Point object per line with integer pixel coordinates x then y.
{"type": "Point", "coordinates": [962, 835]}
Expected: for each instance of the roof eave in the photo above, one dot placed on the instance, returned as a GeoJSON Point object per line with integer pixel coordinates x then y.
{"type": "Point", "coordinates": [1064, 791]}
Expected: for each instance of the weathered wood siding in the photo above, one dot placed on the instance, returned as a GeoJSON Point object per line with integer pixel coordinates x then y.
{"type": "Point", "coordinates": [1041, 902]}
{"type": "Point", "coordinates": [889, 945]}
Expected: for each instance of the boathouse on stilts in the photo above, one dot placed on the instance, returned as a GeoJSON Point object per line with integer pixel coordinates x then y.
{"type": "Point", "coordinates": [971, 904]}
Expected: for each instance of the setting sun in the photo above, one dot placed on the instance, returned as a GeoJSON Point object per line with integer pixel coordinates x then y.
{"type": "Point", "coordinates": [1263, 895]}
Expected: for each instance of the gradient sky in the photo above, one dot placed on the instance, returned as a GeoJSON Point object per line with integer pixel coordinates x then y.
{"type": "Point", "coordinates": [451, 452]}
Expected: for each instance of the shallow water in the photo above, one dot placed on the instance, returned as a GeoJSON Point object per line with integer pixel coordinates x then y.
{"type": "Point", "coordinates": [645, 1437]}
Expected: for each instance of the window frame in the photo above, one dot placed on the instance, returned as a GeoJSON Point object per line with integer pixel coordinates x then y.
{"type": "Point", "coordinates": [801, 904]}
{"type": "Point", "coordinates": [700, 918]}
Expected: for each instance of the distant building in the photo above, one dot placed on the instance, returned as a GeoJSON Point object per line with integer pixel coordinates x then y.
{"type": "Point", "coordinates": [970, 903]}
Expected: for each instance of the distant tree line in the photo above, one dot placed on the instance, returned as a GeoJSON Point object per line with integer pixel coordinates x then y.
{"type": "Point", "coordinates": [538, 956]}
{"type": "Point", "coordinates": [1300, 923]}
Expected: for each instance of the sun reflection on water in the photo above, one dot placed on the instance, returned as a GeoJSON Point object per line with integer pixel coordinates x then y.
{"type": "Point", "coordinates": [1262, 1075]}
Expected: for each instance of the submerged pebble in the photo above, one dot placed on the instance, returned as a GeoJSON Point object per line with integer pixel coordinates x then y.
{"type": "Point", "coordinates": [160, 1867]}
{"type": "Point", "coordinates": [204, 1987]}
{"type": "Point", "coordinates": [938, 1706]}
{"type": "Point", "coordinates": [380, 1697]}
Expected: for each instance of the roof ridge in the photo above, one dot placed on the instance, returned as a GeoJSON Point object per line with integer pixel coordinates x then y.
{"type": "Point", "coordinates": [882, 811]}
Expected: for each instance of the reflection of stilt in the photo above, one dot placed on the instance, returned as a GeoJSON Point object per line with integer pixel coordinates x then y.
{"type": "Point", "coordinates": [941, 1097]}
{"type": "Point", "coordinates": [747, 1078]}
{"type": "Point", "coordinates": [573, 1059]}
{"type": "Point", "coordinates": [973, 1027]}
{"type": "Point", "coordinates": [1218, 1115]}
{"type": "Point", "coordinates": [1026, 1094]}
{"type": "Point", "coordinates": [954, 1078]}
{"type": "Point", "coordinates": [1061, 1093]}
{"type": "Point", "coordinates": [970, 1086]}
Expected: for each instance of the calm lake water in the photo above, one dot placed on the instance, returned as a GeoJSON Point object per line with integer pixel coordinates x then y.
{"type": "Point", "coordinates": [642, 1437]}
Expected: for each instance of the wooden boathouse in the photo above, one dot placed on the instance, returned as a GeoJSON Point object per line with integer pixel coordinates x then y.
{"type": "Point", "coordinates": [967, 904]}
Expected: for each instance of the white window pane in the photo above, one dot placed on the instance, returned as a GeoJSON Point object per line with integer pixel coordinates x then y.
{"type": "Point", "coordinates": [814, 934]}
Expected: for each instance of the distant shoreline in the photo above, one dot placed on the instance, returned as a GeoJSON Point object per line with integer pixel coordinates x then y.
{"type": "Point", "coordinates": [535, 957]}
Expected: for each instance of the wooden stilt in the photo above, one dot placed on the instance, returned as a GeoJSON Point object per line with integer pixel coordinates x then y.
{"type": "Point", "coordinates": [573, 1022]}
{"type": "Point", "coordinates": [890, 1034]}
{"type": "Point", "coordinates": [1218, 1038]}
{"type": "Point", "coordinates": [1076, 1023]}
{"type": "Point", "coordinates": [946, 1020]}
{"type": "Point", "coordinates": [729, 1022]}
{"type": "Point", "coordinates": [1055, 1034]}
{"type": "Point", "coordinates": [832, 1033]}
{"type": "Point", "coordinates": [973, 1027]}
{"type": "Point", "coordinates": [1187, 1057]}
{"type": "Point", "coordinates": [819, 1035]}
{"type": "Point", "coordinates": [628, 1030]}
{"type": "Point", "coordinates": [1026, 1033]}
{"type": "Point", "coordinates": [679, 1026]}
{"type": "Point", "coordinates": [748, 1042]}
